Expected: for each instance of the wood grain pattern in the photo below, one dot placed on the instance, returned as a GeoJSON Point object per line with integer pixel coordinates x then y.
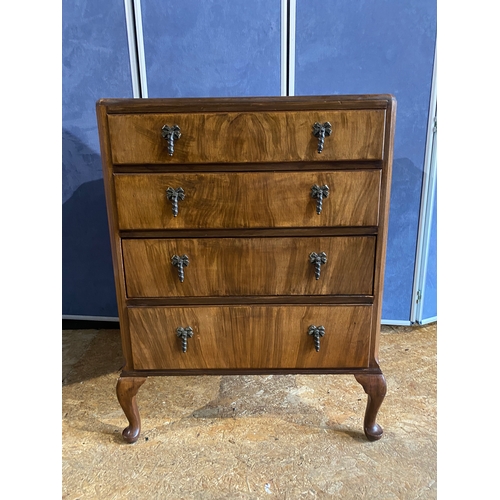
{"type": "Point", "coordinates": [249, 266]}
{"type": "Point", "coordinates": [247, 137]}
{"type": "Point", "coordinates": [249, 371]}
{"type": "Point", "coordinates": [116, 255]}
{"type": "Point", "coordinates": [250, 299]}
{"type": "Point", "coordinates": [250, 233]}
{"type": "Point", "coordinates": [248, 200]}
{"type": "Point", "coordinates": [248, 223]}
{"type": "Point", "coordinates": [231, 104]}
{"type": "Point", "coordinates": [375, 387]}
{"type": "Point", "coordinates": [126, 391]}
{"type": "Point", "coordinates": [250, 337]}
{"type": "Point", "coordinates": [385, 196]}
{"type": "Point", "coordinates": [168, 168]}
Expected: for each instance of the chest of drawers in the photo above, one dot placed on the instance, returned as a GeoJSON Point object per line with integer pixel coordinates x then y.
{"type": "Point", "coordinates": [248, 236]}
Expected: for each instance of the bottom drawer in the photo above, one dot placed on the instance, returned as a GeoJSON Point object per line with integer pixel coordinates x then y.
{"type": "Point", "coordinates": [250, 336]}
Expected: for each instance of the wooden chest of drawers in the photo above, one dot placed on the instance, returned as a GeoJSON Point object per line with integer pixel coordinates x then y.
{"type": "Point", "coordinates": [248, 236]}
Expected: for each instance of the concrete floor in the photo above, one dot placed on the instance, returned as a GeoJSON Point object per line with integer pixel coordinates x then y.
{"type": "Point", "coordinates": [249, 437]}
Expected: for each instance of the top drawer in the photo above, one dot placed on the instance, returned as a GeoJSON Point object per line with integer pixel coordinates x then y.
{"type": "Point", "coordinates": [246, 137]}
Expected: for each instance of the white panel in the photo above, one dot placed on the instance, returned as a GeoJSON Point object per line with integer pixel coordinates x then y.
{"type": "Point", "coordinates": [284, 47]}
{"type": "Point", "coordinates": [140, 48]}
{"type": "Point", "coordinates": [291, 47]}
{"type": "Point", "coordinates": [288, 24]}
{"type": "Point", "coordinates": [395, 322]}
{"type": "Point", "coordinates": [428, 320]}
{"type": "Point", "coordinates": [88, 318]}
{"type": "Point", "coordinates": [426, 206]}
{"type": "Point", "coordinates": [132, 47]}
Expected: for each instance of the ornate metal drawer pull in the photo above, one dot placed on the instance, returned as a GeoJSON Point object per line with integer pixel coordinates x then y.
{"type": "Point", "coordinates": [175, 195]}
{"type": "Point", "coordinates": [320, 130]}
{"type": "Point", "coordinates": [180, 262]}
{"type": "Point", "coordinates": [184, 334]}
{"type": "Point", "coordinates": [318, 193]}
{"type": "Point", "coordinates": [171, 134]}
{"type": "Point", "coordinates": [317, 332]}
{"type": "Point", "coordinates": [318, 260]}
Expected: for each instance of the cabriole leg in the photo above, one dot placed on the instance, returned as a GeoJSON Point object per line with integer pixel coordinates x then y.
{"type": "Point", "coordinates": [126, 390]}
{"type": "Point", "coordinates": [375, 387]}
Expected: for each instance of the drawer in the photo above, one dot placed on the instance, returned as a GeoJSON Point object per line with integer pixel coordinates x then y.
{"type": "Point", "coordinates": [248, 200]}
{"type": "Point", "coordinates": [230, 337]}
{"type": "Point", "coordinates": [247, 137]}
{"type": "Point", "coordinates": [249, 266]}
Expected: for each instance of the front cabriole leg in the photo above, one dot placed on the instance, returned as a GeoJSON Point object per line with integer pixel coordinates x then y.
{"type": "Point", "coordinates": [375, 387]}
{"type": "Point", "coordinates": [126, 390]}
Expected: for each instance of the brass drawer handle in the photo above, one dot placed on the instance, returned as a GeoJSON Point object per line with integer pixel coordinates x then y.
{"type": "Point", "coordinates": [318, 193]}
{"type": "Point", "coordinates": [320, 130]}
{"type": "Point", "coordinates": [318, 260]}
{"type": "Point", "coordinates": [180, 262]}
{"type": "Point", "coordinates": [317, 332]}
{"type": "Point", "coordinates": [175, 195]}
{"type": "Point", "coordinates": [184, 334]}
{"type": "Point", "coordinates": [171, 134]}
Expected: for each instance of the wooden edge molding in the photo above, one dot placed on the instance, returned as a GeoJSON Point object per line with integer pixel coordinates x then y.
{"type": "Point", "coordinates": [345, 300]}
{"type": "Point", "coordinates": [248, 167]}
{"type": "Point", "coordinates": [251, 233]}
{"type": "Point", "coordinates": [228, 104]}
{"type": "Point", "coordinates": [244, 371]}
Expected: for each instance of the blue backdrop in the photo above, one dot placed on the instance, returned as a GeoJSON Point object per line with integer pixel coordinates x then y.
{"type": "Point", "coordinates": [213, 48]}
{"type": "Point", "coordinates": [220, 48]}
{"type": "Point", "coordinates": [369, 47]}
{"type": "Point", "coordinates": [95, 65]}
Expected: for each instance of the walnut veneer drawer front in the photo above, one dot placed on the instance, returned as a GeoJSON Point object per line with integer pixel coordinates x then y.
{"type": "Point", "coordinates": [248, 199]}
{"type": "Point", "coordinates": [247, 137]}
{"type": "Point", "coordinates": [249, 266]}
{"type": "Point", "coordinates": [250, 337]}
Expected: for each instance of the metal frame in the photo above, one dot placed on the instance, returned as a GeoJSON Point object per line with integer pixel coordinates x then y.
{"type": "Point", "coordinates": [132, 47]}
{"type": "Point", "coordinates": [284, 47]}
{"type": "Point", "coordinates": [133, 20]}
{"type": "Point", "coordinates": [426, 208]}
{"type": "Point", "coordinates": [395, 322]}
{"type": "Point", "coordinates": [141, 56]}
{"type": "Point", "coordinates": [88, 318]}
{"type": "Point", "coordinates": [428, 320]}
{"type": "Point", "coordinates": [291, 46]}
{"type": "Point", "coordinates": [288, 26]}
